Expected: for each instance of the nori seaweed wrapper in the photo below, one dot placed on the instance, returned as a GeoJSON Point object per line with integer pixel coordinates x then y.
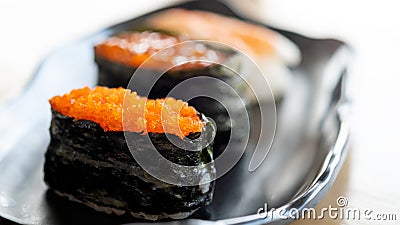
{"type": "Point", "coordinates": [96, 168]}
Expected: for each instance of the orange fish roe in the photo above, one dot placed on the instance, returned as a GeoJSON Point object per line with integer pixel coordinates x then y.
{"type": "Point", "coordinates": [106, 106]}
{"type": "Point", "coordinates": [133, 48]}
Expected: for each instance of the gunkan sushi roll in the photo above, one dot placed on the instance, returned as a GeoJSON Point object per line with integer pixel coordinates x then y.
{"type": "Point", "coordinates": [89, 161]}
{"type": "Point", "coordinates": [119, 56]}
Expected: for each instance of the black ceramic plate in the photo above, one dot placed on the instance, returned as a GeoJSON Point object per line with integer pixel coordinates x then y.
{"type": "Point", "coordinates": [309, 147]}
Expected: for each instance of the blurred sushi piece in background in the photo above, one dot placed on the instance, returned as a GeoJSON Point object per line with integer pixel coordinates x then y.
{"type": "Point", "coordinates": [167, 60]}
{"type": "Point", "coordinates": [271, 51]}
{"type": "Point", "coordinates": [119, 56]}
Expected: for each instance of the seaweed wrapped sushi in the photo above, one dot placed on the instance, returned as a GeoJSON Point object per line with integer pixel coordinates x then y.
{"type": "Point", "coordinates": [89, 161]}
{"type": "Point", "coordinates": [119, 56]}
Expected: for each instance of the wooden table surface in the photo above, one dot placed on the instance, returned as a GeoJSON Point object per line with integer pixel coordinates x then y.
{"type": "Point", "coordinates": [369, 179]}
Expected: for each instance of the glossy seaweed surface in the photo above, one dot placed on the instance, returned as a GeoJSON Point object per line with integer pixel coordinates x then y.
{"type": "Point", "coordinates": [308, 150]}
{"type": "Point", "coordinates": [97, 167]}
